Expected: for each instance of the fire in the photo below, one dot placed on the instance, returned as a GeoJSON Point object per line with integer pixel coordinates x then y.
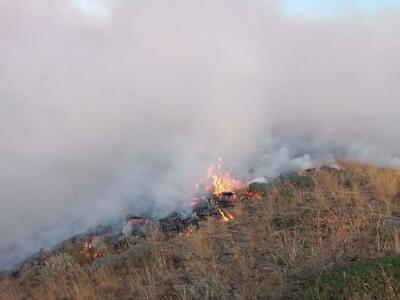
{"type": "Point", "coordinates": [218, 181]}
{"type": "Point", "coordinates": [90, 252]}
{"type": "Point", "coordinates": [226, 216]}
{"type": "Point", "coordinates": [251, 194]}
{"type": "Point", "coordinates": [224, 184]}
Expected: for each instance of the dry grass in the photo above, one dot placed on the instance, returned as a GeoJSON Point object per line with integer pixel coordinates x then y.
{"type": "Point", "coordinates": [273, 249]}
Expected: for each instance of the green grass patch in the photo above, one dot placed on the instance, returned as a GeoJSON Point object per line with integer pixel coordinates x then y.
{"type": "Point", "coordinates": [377, 278]}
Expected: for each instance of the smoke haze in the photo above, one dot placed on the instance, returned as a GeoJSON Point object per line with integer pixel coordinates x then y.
{"type": "Point", "coordinates": [99, 115]}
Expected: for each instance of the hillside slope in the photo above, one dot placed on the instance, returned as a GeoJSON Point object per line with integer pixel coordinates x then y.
{"type": "Point", "coordinates": [280, 244]}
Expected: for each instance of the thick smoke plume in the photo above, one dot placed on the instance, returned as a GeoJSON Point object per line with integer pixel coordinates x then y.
{"type": "Point", "coordinates": [101, 115]}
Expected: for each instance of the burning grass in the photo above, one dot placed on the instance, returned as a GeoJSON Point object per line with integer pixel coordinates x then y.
{"type": "Point", "coordinates": [286, 242]}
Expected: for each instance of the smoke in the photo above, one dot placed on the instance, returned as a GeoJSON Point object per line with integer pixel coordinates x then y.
{"type": "Point", "coordinates": [102, 115]}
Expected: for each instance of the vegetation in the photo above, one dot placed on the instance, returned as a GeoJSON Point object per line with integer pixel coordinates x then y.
{"type": "Point", "coordinates": [365, 279]}
{"type": "Point", "coordinates": [329, 234]}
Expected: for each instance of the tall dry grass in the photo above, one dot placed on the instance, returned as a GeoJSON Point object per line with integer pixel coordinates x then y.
{"type": "Point", "coordinates": [274, 247]}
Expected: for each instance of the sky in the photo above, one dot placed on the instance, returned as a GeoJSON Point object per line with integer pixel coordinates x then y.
{"type": "Point", "coordinates": [305, 8]}
{"type": "Point", "coordinates": [101, 8]}
{"type": "Point", "coordinates": [335, 8]}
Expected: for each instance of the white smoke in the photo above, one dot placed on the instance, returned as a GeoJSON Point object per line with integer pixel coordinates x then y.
{"type": "Point", "coordinates": [99, 116]}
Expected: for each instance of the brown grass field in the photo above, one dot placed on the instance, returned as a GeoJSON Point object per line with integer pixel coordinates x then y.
{"type": "Point", "coordinates": [334, 234]}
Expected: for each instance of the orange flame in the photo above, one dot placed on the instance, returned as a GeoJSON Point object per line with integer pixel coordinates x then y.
{"type": "Point", "coordinates": [251, 194]}
{"type": "Point", "coordinates": [226, 216]}
{"type": "Point", "coordinates": [218, 181]}
{"type": "Point", "coordinates": [90, 252]}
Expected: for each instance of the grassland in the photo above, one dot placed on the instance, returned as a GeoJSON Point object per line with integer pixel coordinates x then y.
{"type": "Point", "coordinates": [331, 234]}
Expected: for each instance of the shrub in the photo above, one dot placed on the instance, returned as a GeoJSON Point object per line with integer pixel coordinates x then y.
{"type": "Point", "coordinates": [60, 264]}
{"type": "Point", "coordinates": [204, 289]}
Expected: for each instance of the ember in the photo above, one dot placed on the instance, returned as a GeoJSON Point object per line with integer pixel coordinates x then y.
{"type": "Point", "coordinates": [226, 199]}
{"type": "Point", "coordinates": [252, 194]}
{"type": "Point", "coordinates": [136, 226]}
{"type": "Point", "coordinates": [90, 248]}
